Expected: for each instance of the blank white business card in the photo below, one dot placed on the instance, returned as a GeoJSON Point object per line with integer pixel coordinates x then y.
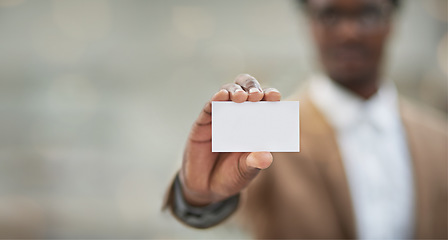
{"type": "Point", "coordinates": [255, 126]}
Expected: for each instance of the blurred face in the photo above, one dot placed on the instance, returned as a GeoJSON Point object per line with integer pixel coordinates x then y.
{"type": "Point", "coordinates": [350, 36]}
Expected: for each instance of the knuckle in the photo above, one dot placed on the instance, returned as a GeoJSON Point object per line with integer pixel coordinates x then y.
{"type": "Point", "coordinates": [226, 86]}
{"type": "Point", "coordinates": [231, 87]}
{"type": "Point", "coordinates": [250, 80]}
{"type": "Point", "coordinates": [243, 173]}
{"type": "Point", "coordinates": [244, 79]}
{"type": "Point", "coordinates": [243, 76]}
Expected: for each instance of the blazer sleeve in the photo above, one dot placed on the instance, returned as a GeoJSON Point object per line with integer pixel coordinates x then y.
{"type": "Point", "coordinates": [198, 217]}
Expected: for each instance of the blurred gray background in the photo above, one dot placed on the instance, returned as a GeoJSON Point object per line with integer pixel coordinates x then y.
{"type": "Point", "coordinates": [97, 98]}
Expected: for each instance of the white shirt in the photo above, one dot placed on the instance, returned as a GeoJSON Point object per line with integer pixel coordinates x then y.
{"type": "Point", "coordinates": [376, 158]}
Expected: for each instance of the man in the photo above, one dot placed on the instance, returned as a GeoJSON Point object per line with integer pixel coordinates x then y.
{"type": "Point", "coordinates": [371, 165]}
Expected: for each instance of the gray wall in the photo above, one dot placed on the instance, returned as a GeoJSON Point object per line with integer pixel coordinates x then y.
{"type": "Point", "coordinates": [97, 97]}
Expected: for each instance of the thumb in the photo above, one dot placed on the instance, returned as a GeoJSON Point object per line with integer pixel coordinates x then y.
{"type": "Point", "coordinates": [251, 163]}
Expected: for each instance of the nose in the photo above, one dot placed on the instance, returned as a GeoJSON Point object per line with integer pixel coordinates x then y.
{"type": "Point", "coordinates": [349, 29]}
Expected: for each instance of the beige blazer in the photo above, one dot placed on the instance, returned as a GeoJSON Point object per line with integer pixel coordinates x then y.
{"type": "Point", "coordinates": [306, 194]}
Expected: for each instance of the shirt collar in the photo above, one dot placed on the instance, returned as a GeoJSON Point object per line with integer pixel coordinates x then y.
{"type": "Point", "coordinates": [343, 109]}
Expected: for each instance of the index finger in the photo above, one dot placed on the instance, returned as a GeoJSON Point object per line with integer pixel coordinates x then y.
{"type": "Point", "coordinates": [251, 86]}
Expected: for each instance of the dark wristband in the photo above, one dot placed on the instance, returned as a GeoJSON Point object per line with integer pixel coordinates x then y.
{"type": "Point", "coordinates": [201, 217]}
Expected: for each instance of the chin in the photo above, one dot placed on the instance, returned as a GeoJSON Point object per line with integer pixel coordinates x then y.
{"type": "Point", "coordinates": [350, 74]}
{"type": "Point", "coordinates": [350, 78]}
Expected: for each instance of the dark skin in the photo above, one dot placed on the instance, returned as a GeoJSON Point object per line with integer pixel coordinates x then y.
{"type": "Point", "coordinates": [350, 36]}
{"type": "Point", "coordinates": [350, 53]}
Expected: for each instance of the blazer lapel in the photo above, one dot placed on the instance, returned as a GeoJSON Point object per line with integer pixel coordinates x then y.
{"type": "Point", "coordinates": [325, 151]}
{"type": "Point", "coordinates": [422, 170]}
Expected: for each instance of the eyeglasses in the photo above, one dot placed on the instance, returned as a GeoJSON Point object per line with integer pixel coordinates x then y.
{"type": "Point", "coordinates": [368, 18]}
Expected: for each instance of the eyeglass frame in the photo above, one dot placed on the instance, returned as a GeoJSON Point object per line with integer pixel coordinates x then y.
{"type": "Point", "coordinates": [367, 20]}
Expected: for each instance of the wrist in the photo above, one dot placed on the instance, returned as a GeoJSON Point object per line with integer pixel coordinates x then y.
{"type": "Point", "coordinates": [191, 197]}
{"type": "Point", "coordinates": [204, 216]}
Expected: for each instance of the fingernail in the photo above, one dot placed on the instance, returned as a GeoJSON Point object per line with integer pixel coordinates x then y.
{"type": "Point", "coordinates": [220, 91]}
{"type": "Point", "coordinates": [254, 90]}
{"type": "Point", "coordinates": [262, 161]}
{"type": "Point", "coordinates": [251, 161]}
{"type": "Point", "coordinates": [239, 90]}
{"type": "Point", "coordinates": [272, 90]}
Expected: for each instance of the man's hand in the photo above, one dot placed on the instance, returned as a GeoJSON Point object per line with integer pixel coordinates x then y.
{"type": "Point", "coordinates": [208, 176]}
